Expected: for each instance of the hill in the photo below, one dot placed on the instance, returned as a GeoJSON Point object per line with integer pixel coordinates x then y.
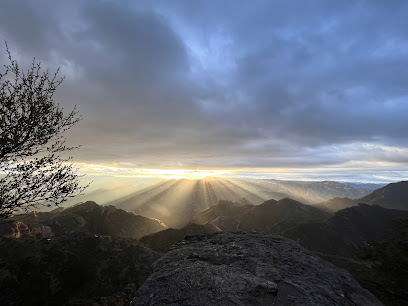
{"type": "Point", "coordinates": [86, 217]}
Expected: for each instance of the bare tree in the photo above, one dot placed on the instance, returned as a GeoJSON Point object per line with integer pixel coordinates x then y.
{"type": "Point", "coordinates": [32, 172]}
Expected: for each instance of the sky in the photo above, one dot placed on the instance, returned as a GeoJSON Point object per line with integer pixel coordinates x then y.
{"type": "Point", "coordinates": [261, 89]}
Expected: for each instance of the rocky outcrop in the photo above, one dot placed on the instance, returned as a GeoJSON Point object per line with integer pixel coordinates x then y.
{"type": "Point", "coordinates": [14, 229]}
{"type": "Point", "coordinates": [247, 269]}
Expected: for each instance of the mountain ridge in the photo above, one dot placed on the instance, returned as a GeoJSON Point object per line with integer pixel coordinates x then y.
{"type": "Point", "coordinates": [393, 196]}
{"type": "Point", "coordinates": [83, 217]}
{"type": "Point", "coordinates": [269, 217]}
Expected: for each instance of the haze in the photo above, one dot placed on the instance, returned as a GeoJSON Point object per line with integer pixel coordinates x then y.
{"type": "Point", "coordinates": [259, 89]}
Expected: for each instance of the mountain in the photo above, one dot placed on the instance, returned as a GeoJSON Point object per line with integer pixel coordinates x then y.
{"type": "Point", "coordinates": [163, 240]}
{"type": "Point", "coordinates": [176, 202]}
{"type": "Point", "coordinates": [274, 216]}
{"type": "Point", "coordinates": [85, 217]}
{"type": "Point", "coordinates": [346, 231]}
{"type": "Point", "coordinates": [393, 196]}
{"type": "Point", "coordinates": [247, 269]}
{"type": "Point", "coordinates": [74, 269]}
{"type": "Point", "coordinates": [269, 217]}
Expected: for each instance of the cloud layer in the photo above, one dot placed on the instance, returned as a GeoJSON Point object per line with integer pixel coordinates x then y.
{"type": "Point", "coordinates": [222, 84]}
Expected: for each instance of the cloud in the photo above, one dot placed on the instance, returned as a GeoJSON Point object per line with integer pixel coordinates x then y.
{"type": "Point", "coordinates": [224, 84]}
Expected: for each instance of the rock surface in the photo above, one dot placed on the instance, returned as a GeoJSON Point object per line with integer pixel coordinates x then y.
{"type": "Point", "coordinates": [247, 269]}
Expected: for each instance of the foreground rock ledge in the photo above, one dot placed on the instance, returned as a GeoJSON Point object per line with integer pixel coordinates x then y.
{"type": "Point", "coordinates": [247, 269]}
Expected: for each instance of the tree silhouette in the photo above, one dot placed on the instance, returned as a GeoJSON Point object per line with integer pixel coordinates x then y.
{"type": "Point", "coordinates": [32, 172]}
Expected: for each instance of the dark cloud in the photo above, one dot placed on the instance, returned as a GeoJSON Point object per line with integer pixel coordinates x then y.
{"type": "Point", "coordinates": [224, 84]}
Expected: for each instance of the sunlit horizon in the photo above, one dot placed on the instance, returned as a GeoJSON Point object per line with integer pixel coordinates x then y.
{"type": "Point", "coordinates": [339, 174]}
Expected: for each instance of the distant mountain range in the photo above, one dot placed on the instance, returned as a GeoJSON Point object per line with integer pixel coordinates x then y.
{"type": "Point", "coordinates": [176, 202]}
{"type": "Point", "coordinates": [393, 196]}
{"type": "Point", "coordinates": [314, 192]}
{"type": "Point", "coordinates": [339, 234]}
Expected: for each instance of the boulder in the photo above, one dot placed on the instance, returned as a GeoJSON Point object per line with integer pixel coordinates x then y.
{"type": "Point", "coordinates": [247, 269]}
